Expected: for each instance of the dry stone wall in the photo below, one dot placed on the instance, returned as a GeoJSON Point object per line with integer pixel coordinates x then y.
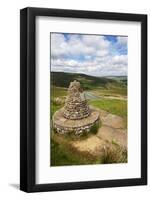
{"type": "Point", "coordinates": [74, 130]}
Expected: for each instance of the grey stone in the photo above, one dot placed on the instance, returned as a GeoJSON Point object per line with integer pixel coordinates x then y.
{"type": "Point", "coordinates": [76, 115]}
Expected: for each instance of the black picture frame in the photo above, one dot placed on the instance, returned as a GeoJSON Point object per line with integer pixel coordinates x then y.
{"type": "Point", "coordinates": [28, 99]}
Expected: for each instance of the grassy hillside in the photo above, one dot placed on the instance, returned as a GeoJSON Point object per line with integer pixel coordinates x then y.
{"type": "Point", "coordinates": [102, 85]}
{"type": "Point", "coordinates": [104, 93]}
{"type": "Point", "coordinates": [121, 79]}
{"type": "Point", "coordinates": [62, 79]}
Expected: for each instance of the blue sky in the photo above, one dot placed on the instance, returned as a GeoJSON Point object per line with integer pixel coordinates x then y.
{"type": "Point", "coordinates": [97, 55]}
{"type": "Point", "coordinates": [116, 47]}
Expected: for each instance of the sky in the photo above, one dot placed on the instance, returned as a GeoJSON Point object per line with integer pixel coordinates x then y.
{"type": "Point", "coordinates": [96, 55]}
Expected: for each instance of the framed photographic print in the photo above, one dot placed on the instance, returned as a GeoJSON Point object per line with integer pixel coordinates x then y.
{"type": "Point", "coordinates": [83, 99]}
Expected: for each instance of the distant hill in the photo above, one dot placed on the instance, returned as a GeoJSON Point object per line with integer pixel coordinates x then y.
{"type": "Point", "coordinates": [62, 79]}
{"type": "Point", "coordinates": [121, 79]}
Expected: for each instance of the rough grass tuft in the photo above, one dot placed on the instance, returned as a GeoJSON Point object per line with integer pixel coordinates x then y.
{"type": "Point", "coordinates": [114, 155]}
{"type": "Point", "coordinates": [63, 154]}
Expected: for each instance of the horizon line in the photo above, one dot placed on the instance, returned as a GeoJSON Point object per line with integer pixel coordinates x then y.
{"type": "Point", "coordinates": [89, 74]}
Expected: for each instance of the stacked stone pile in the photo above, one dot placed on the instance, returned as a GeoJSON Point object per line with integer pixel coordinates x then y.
{"type": "Point", "coordinates": [75, 117]}
{"type": "Point", "coordinates": [76, 105]}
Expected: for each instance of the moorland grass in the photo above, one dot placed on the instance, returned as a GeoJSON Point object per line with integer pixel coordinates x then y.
{"type": "Point", "coordinates": [63, 154]}
{"type": "Point", "coordinates": [62, 79]}
{"type": "Point", "coordinates": [112, 91]}
{"type": "Point", "coordinates": [116, 107]}
{"type": "Point", "coordinates": [114, 155]}
{"type": "Point", "coordinates": [58, 91]}
{"type": "Point", "coordinates": [54, 108]}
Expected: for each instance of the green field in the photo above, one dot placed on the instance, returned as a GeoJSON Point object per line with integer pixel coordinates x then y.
{"type": "Point", "coordinates": [58, 92]}
{"type": "Point", "coordinates": [117, 107]}
{"type": "Point", "coordinates": [110, 95]}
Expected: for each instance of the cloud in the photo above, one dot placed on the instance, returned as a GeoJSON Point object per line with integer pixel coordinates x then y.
{"type": "Point", "coordinates": [78, 45]}
{"type": "Point", "coordinates": [122, 40]}
{"type": "Point", "coordinates": [89, 54]}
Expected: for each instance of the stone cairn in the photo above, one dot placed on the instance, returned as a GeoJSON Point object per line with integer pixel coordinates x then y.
{"type": "Point", "coordinates": [76, 105]}
{"type": "Point", "coordinates": [75, 117]}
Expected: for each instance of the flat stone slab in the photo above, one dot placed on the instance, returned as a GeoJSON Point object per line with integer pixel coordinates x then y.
{"type": "Point", "coordinates": [60, 120]}
{"type": "Point", "coordinates": [105, 137]}
{"type": "Point", "coordinates": [111, 120]}
{"type": "Point", "coordinates": [118, 136]}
